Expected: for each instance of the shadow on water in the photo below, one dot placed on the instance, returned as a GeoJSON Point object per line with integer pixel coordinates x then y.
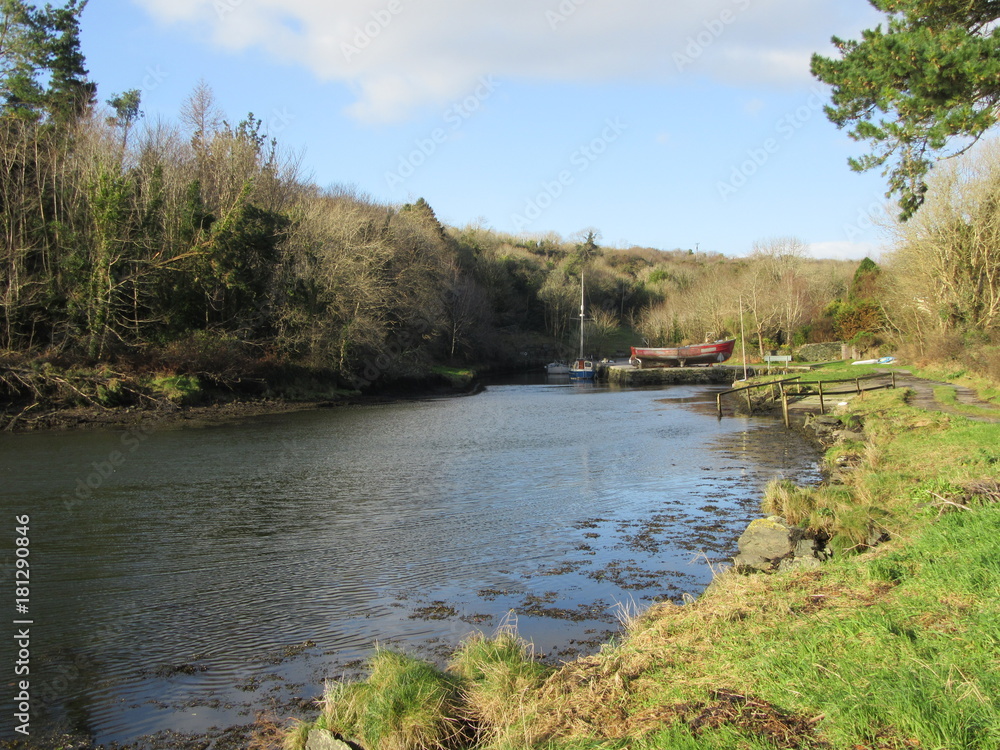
{"type": "Point", "coordinates": [206, 575]}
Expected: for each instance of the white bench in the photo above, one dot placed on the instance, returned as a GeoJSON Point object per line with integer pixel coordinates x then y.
{"type": "Point", "coordinates": [782, 359]}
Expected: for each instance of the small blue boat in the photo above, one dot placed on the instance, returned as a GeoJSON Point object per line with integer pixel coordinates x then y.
{"type": "Point", "coordinates": [582, 369]}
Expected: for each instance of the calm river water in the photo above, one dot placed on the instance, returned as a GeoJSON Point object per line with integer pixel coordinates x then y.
{"type": "Point", "coordinates": [225, 570]}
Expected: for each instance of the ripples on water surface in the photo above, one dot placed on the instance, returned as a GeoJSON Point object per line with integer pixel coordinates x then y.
{"type": "Point", "coordinates": [228, 569]}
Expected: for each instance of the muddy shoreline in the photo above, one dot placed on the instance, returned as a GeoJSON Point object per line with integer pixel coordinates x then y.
{"type": "Point", "coordinates": [95, 417]}
{"type": "Point", "coordinates": [38, 419]}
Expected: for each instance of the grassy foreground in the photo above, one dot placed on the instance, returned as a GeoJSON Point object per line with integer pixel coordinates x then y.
{"type": "Point", "coordinates": [895, 646]}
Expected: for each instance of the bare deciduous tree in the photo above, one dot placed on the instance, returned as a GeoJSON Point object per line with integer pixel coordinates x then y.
{"type": "Point", "coordinates": [944, 271]}
{"type": "Point", "coordinates": [774, 289]}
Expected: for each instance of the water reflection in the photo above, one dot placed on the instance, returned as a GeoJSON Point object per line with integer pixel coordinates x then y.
{"type": "Point", "coordinates": [222, 569]}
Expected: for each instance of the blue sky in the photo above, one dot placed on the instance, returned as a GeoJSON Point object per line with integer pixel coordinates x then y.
{"type": "Point", "coordinates": [692, 123]}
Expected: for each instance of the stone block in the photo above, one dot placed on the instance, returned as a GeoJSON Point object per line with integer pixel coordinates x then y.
{"type": "Point", "coordinates": [766, 542]}
{"type": "Point", "coordinates": [321, 739]}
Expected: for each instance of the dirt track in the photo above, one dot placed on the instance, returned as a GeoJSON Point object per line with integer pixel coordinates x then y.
{"type": "Point", "coordinates": [923, 397]}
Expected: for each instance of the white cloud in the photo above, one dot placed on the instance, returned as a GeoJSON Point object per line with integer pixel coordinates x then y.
{"type": "Point", "coordinates": [401, 54]}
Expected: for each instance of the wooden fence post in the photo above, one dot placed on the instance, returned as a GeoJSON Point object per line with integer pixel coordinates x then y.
{"type": "Point", "coordinates": [718, 403]}
{"type": "Point", "coordinates": [822, 404]}
{"type": "Point", "coordinates": [784, 407]}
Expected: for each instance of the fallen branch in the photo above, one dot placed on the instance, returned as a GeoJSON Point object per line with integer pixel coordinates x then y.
{"type": "Point", "coordinates": [945, 504]}
{"type": "Point", "coordinates": [11, 423]}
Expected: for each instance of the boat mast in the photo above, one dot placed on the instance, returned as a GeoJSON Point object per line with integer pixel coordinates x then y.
{"type": "Point", "coordinates": [743, 340]}
{"type": "Point", "coordinates": [581, 315]}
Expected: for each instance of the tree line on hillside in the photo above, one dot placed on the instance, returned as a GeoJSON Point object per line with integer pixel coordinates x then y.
{"type": "Point", "coordinates": [197, 247]}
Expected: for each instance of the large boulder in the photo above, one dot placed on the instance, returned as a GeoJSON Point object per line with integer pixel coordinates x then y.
{"type": "Point", "coordinates": [765, 543]}
{"type": "Point", "coordinates": [770, 544]}
{"type": "Point", "coordinates": [321, 739]}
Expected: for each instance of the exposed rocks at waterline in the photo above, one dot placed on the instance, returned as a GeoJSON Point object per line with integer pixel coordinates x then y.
{"type": "Point", "coordinates": [770, 544]}
{"type": "Point", "coordinates": [830, 429]}
{"type": "Point", "coordinates": [320, 739]}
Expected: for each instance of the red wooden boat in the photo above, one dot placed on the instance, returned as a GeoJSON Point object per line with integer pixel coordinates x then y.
{"type": "Point", "coordinates": [681, 356]}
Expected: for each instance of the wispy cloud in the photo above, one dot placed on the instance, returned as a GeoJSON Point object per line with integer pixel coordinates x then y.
{"type": "Point", "coordinates": [398, 55]}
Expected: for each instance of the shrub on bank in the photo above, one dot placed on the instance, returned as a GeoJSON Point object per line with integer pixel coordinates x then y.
{"type": "Point", "coordinates": [499, 675]}
{"type": "Point", "coordinates": [408, 704]}
{"type": "Point", "coordinates": [404, 704]}
{"type": "Point", "coordinates": [178, 389]}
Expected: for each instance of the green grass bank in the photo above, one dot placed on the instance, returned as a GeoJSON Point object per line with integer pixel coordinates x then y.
{"type": "Point", "coordinates": [887, 647]}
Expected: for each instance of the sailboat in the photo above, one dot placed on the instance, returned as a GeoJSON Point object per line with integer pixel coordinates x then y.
{"type": "Point", "coordinates": [582, 369]}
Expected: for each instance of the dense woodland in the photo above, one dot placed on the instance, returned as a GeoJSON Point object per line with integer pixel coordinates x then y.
{"type": "Point", "coordinates": [196, 248]}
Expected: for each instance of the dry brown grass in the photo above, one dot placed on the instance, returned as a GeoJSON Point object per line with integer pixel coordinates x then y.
{"type": "Point", "coordinates": [671, 670]}
{"type": "Point", "coordinates": [751, 715]}
{"type": "Point", "coordinates": [981, 491]}
{"type": "Point", "coordinates": [499, 677]}
{"type": "Point", "coordinates": [602, 696]}
{"type": "Point", "coordinates": [268, 733]}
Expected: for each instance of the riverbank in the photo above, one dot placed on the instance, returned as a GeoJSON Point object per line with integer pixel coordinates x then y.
{"type": "Point", "coordinates": [204, 528]}
{"type": "Point", "coordinates": [888, 646]}
{"type": "Point", "coordinates": [96, 400]}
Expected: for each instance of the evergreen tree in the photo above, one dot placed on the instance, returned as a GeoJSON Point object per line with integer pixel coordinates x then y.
{"type": "Point", "coordinates": [22, 59]}
{"type": "Point", "coordinates": [864, 286]}
{"type": "Point", "coordinates": [127, 112]}
{"type": "Point", "coordinates": [930, 79]}
{"type": "Point", "coordinates": [42, 73]}
{"type": "Point", "coordinates": [70, 94]}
